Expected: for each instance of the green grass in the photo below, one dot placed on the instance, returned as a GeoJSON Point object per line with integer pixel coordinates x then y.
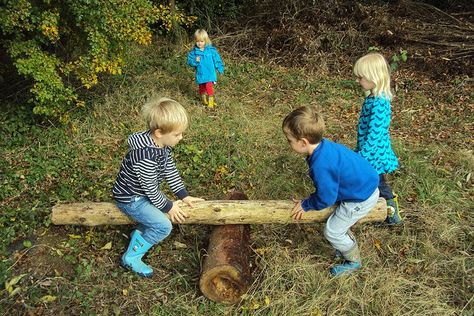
{"type": "Point", "coordinates": [426, 265]}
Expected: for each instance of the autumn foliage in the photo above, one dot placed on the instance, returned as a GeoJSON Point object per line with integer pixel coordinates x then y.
{"type": "Point", "coordinates": [63, 46]}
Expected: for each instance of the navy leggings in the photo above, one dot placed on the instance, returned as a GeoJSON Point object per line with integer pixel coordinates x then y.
{"type": "Point", "coordinates": [384, 188]}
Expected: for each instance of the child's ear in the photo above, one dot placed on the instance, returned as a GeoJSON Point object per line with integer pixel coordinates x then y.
{"type": "Point", "coordinates": [157, 133]}
{"type": "Point", "coordinates": [305, 141]}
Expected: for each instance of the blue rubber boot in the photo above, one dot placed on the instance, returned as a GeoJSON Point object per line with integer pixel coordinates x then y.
{"type": "Point", "coordinates": [351, 263]}
{"type": "Point", "coordinates": [393, 212]}
{"type": "Point", "coordinates": [132, 258]}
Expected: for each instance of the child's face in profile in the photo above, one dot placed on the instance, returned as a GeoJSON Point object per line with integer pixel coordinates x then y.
{"type": "Point", "coordinates": [298, 145]}
{"type": "Point", "coordinates": [364, 83]}
{"type": "Point", "coordinates": [171, 138]}
{"type": "Point", "coordinates": [200, 43]}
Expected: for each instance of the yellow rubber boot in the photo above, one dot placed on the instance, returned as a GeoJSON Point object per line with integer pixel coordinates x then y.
{"type": "Point", "coordinates": [211, 103]}
{"type": "Point", "coordinates": [204, 99]}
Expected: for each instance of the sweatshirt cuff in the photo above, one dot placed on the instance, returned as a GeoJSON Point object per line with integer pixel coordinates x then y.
{"type": "Point", "coordinates": [181, 194]}
{"type": "Point", "coordinates": [167, 206]}
{"type": "Point", "coordinates": [305, 205]}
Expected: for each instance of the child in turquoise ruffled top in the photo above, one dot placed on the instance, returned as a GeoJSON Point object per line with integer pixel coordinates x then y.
{"type": "Point", "coordinates": [373, 138]}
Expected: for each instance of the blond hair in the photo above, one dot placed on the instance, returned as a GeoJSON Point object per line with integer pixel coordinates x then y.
{"type": "Point", "coordinates": [164, 114]}
{"type": "Point", "coordinates": [202, 35]}
{"type": "Point", "coordinates": [305, 122]}
{"type": "Point", "coordinates": [375, 68]}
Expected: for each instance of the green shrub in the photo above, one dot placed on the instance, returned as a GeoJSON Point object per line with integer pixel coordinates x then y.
{"type": "Point", "coordinates": [63, 47]}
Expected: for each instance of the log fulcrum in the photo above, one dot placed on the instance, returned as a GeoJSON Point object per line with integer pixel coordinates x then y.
{"type": "Point", "coordinates": [218, 212]}
{"type": "Point", "coordinates": [225, 274]}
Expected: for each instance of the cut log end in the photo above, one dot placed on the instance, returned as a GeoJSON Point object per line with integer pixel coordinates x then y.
{"type": "Point", "coordinates": [223, 284]}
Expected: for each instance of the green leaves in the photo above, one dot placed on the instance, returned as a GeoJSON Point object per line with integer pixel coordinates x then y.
{"type": "Point", "coordinates": [65, 46]}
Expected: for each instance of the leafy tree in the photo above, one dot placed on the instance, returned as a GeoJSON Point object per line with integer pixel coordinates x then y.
{"type": "Point", "coordinates": [63, 46]}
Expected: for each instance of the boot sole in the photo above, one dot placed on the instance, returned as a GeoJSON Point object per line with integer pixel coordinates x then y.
{"type": "Point", "coordinates": [128, 267]}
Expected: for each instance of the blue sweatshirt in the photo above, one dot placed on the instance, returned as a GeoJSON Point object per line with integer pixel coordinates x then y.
{"type": "Point", "coordinates": [143, 169]}
{"type": "Point", "coordinates": [339, 175]}
{"type": "Point", "coordinates": [210, 60]}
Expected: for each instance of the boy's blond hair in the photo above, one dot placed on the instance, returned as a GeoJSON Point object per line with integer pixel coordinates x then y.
{"type": "Point", "coordinates": [375, 68]}
{"type": "Point", "coordinates": [305, 122]}
{"type": "Point", "coordinates": [202, 35]}
{"type": "Point", "coordinates": [164, 114]}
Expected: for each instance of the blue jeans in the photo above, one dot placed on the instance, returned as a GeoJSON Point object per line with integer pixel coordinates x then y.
{"type": "Point", "coordinates": [153, 223]}
{"type": "Point", "coordinates": [341, 220]}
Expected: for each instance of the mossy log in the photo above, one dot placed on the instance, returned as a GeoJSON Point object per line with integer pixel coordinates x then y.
{"type": "Point", "coordinates": [217, 212]}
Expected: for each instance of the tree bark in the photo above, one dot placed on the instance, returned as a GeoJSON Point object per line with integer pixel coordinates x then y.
{"type": "Point", "coordinates": [218, 212]}
{"type": "Point", "coordinates": [225, 275]}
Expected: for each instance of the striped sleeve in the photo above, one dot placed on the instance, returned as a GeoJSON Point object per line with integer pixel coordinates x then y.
{"type": "Point", "coordinates": [174, 180]}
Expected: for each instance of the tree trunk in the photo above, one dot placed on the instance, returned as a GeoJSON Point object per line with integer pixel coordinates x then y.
{"type": "Point", "coordinates": [219, 212]}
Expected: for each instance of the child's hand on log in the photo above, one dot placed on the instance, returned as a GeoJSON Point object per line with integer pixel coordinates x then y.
{"type": "Point", "coordinates": [177, 215]}
{"type": "Point", "coordinates": [297, 212]}
{"type": "Point", "coordinates": [189, 200]}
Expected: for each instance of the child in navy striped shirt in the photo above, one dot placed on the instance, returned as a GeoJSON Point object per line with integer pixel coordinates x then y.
{"type": "Point", "coordinates": [145, 166]}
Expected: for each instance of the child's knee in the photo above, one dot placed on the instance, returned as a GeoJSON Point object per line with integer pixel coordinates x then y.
{"type": "Point", "coordinates": [166, 228]}
{"type": "Point", "coordinates": [329, 234]}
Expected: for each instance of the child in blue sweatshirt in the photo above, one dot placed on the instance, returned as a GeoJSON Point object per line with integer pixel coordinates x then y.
{"type": "Point", "coordinates": [205, 59]}
{"type": "Point", "coordinates": [340, 176]}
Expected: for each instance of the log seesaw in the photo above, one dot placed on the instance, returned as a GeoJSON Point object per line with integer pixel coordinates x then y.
{"type": "Point", "coordinates": [225, 275]}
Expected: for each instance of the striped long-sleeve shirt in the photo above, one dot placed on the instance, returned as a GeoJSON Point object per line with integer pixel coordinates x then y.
{"type": "Point", "coordinates": [143, 170]}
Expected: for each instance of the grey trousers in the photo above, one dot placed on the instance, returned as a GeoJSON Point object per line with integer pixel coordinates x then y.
{"type": "Point", "coordinates": [344, 216]}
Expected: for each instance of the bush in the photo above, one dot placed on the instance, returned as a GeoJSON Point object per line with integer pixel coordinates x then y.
{"type": "Point", "coordinates": [65, 46]}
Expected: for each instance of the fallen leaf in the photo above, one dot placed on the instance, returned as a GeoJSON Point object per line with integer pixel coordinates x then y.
{"type": "Point", "coordinates": [179, 245]}
{"type": "Point", "coordinates": [107, 246]}
{"type": "Point", "coordinates": [267, 301]}
{"type": "Point", "coordinates": [48, 298]}
{"type": "Point", "coordinates": [9, 284]}
{"type": "Point", "coordinates": [378, 244]}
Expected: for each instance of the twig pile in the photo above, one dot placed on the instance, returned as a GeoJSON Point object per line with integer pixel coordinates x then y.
{"type": "Point", "coordinates": [330, 35]}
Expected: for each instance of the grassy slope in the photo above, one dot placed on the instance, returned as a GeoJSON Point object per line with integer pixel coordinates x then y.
{"type": "Point", "coordinates": [423, 266]}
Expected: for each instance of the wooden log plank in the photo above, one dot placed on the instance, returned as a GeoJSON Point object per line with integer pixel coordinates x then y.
{"type": "Point", "coordinates": [217, 212]}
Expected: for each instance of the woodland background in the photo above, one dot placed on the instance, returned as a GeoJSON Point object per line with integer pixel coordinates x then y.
{"type": "Point", "coordinates": [74, 75]}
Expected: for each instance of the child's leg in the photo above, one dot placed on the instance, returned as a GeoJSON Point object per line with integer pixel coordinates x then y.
{"type": "Point", "coordinates": [210, 92]}
{"type": "Point", "coordinates": [393, 209]}
{"type": "Point", "coordinates": [154, 226]}
{"type": "Point", "coordinates": [203, 93]}
{"type": "Point", "coordinates": [210, 88]}
{"type": "Point", "coordinates": [384, 188]}
{"type": "Point", "coordinates": [337, 231]}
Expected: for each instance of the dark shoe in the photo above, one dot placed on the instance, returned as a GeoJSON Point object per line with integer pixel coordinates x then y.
{"type": "Point", "coordinates": [393, 212]}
